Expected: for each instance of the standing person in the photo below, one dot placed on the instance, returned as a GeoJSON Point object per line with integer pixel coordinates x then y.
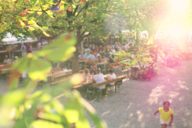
{"type": "Point", "coordinates": [166, 114]}
{"type": "Point", "coordinates": [28, 48]}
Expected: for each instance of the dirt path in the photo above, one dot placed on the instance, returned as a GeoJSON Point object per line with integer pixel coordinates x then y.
{"type": "Point", "coordinates": [133, 105]}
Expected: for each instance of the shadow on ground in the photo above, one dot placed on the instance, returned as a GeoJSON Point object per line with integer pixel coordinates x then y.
{"type": "Point", "coordinates": [133, 105]}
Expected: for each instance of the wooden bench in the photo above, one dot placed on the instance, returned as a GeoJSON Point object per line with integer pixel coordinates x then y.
{"type": "Point", "coordinates": [93, 88]}
{"type": "Point", "coordinates": [99, 92]}
{"type": "Point", "coordinates": [4, 68]}
{"type": "Point", "coordinates": [115, 81]}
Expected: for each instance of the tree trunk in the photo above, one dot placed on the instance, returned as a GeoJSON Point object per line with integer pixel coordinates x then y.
{"type": "Point", "coordinates": [75, 63]}
{"type": "Point", "coordinates": [75, 58]}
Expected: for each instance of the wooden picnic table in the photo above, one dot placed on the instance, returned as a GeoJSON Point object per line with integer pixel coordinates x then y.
{"type": "Point", "coordinates": [83, 85]}
{"type": "Point", "coordinates": [4, 68]}
{"type": "Point", "coordinates": [55, 75]}
{"type": "Point", "coordinates": [3, 51]}
{"type": "Point", "coordinates": [96, 85]}
{"type": "Point", "coordinates": [110, 81]}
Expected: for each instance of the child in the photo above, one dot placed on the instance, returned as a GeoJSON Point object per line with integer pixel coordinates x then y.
{"type": "Point", "coordinates": [166, 115]}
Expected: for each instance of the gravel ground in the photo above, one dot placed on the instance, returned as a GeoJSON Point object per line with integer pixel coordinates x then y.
{"type": "Point", "coordinates": [3, 84]}
{"type": "Point", "coordinates": [134, 104]}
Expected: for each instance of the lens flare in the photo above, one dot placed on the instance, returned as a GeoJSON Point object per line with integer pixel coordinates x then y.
{"type": "Point", "coordinates": [178, 7]}
{"type": "Point", "coordinates": [173, 27]}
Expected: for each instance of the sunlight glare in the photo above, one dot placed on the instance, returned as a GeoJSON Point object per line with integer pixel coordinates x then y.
{"type": "Point", "coordinates": [179, 6]}
{"type": "Point", "coordinates": [173, 27]}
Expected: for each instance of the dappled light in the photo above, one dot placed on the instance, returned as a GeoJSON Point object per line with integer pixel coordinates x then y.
{"type": "Point", "coordinates": [155, 95]}
{"type": "Point", "coordinates": [137, 110]}
{"type": "Point", "coordinates": [95, 63]}
{"type": "Point", "coordinates": [139, 116]}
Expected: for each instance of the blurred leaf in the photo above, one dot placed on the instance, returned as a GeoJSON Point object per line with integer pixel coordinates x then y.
{"type": "Point", "coordinates": [97, 121]}
{"type": "Point", "coordinates": [13, 98]}
{"type": "Point", "coordinates": [92, 113]}
{"type": "Point", "coordinates": [21, 64]}
{"type": "Point", "coordinates": [52, 117]}
{"type": "Point", "coordinates": [7, 116]}
{"type": "Point", "coordinates": [74, 111]}
{"type": "Point", "coordinates": [13, 78]}
{"type": "Point", "coordinates": [39, 69]}
{"type": "Point", "coordinates": [58, 89]}
{"type": "Point", "coordinates": [39, 13]}
{"type": "Point", "coordinates": [72, 114]}
{"type": "Point", "coordinates": [45, 124]}
{"type": "Point", "coordinates": [60, 49]}
{"type": "Point", "coordinates": [22, 23]}
{"type": "Point", "coordinates": [31, 28]}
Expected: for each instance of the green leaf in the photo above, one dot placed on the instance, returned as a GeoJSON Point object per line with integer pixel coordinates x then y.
{"type": "Point", "coordinates": [21, 64]}
{"type": "Point", "coordinates": [45, 124]}
{"type": "Point", "coordinates": [22, 23]}
{"type": "Point", "coordinates": [39, 13]}
{"type": "Point", "coordinates": [50, 13]}
{"type": "Point", "coordinates": [7, 115]}
{"type": "Point", "coordinates": [60, 49]}
{"type": "Point", "coordinates": [52, 117]}
{"type": "Point", "coordinates": [13, 98]}
{"type": "Point", "coordinates": [31, 28]}
{"type": "Point", "coordinates": [72, 114]}
{"type": "Point", "coordinates": [39, 69]}
{"type": "Point", "coordinates": [59, 89]}
{"type": "Point", "coordinates": [97, 121]}
{"type": "Point", "coordinates": [92, 113]}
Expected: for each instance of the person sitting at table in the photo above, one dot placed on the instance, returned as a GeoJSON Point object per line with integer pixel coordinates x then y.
{"type": "Point", "coordinates": [93, 68]}
{"type": "Point", "coordinates": [88, 76]}
{"type": "Point", "coordinates": [111, 76]}
{"type": "Point", "coordinates": [82, 73]}
{"type": "Point", "coordinates": [88, 55]}
{"type": "Point", "coordinates": [91, 57]}
{"type": "Point", "coordinates": [99, 77]}
{"type": "Point", "coordinates": [99, 58]}
{"type": "Point", "coordinates": [81, 56]}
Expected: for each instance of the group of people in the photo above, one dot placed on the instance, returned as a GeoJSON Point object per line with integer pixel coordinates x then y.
{"type": "Point", "coordinates": [101, 53]}
{"type": "Point", "coordinates": [97, 76]}
{"type": "Point", "coordinates": [101, 57]}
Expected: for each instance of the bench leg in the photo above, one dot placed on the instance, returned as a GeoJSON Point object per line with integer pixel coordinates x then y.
{"type": "Point", "coordinates": [98, 94]}
{"type": "Point", "coordinates": [116, 88]}
{"type": "Point", "coordinates": [90, 93]}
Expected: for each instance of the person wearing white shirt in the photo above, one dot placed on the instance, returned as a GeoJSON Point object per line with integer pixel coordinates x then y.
{"type": "Point", "coordinates": [111, 76]}
{"type": "Point", "coordinates": [99, 78]}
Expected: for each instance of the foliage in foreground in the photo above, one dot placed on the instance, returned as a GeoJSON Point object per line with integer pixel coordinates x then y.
{"type": "Point", "coordinates": [25, 106]}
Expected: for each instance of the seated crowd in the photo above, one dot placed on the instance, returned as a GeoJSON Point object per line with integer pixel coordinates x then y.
{"type": "Point", "coordinates": [100, 53]}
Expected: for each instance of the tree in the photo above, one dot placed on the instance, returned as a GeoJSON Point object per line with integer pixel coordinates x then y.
{"type": "Point", "coordinates": [83, 16]}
